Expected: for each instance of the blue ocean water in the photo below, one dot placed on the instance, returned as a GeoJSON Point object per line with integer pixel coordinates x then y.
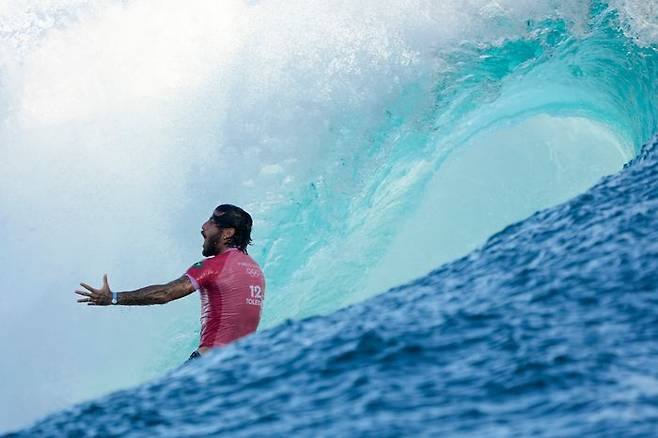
{"type": "Point", "coordinates": [547, 330]}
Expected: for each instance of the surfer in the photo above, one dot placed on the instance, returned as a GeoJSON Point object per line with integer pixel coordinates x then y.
{"type": "Point", "coordinates": [230, 282]}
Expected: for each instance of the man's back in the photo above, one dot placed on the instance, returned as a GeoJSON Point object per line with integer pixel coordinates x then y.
{"type": "Point", "coordinates": [232, 288]}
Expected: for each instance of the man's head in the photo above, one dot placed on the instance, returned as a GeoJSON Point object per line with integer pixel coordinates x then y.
{"type": "Point", "coordinates": [228, 227]}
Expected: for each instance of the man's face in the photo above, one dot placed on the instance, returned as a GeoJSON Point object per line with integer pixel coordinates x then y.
{"type": "Point", "coordinates": [211, 234]}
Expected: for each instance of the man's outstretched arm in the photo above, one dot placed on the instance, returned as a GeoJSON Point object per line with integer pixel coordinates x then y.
{"type": "Point", "coordinates": [156, 294]}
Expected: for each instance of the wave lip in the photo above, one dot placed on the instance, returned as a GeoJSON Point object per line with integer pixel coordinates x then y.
{"type": "Point", "coordinates": [548, 330]}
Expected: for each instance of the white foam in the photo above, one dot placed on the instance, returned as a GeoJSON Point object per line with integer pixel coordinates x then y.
{"type": "Point", "coordinates": [640, 20]}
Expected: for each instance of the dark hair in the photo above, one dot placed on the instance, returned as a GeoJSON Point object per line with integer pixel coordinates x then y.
{"type": "Point", "coordinates": [230, 216]}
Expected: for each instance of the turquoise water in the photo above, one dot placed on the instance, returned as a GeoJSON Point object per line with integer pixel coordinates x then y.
{"type": "Point", "coordinates": [491, 136]}
{"type": "Point", "coordinates": [371, 142]}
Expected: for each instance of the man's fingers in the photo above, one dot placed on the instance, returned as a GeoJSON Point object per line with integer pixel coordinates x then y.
{"type": "Point", "coordinates": [89, 288]}
{"type": "Point", "coordinates": [93, 296]}
{"type": "Point", "coordinates": [84, 293]}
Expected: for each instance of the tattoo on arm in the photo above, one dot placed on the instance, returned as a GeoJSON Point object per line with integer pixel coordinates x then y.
{"type": "Point", "coordinates": [157, 294]}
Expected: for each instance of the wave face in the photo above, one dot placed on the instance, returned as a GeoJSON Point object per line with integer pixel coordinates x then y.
{"type": "Point", "coordinates": [372, 142]}
{"type": "Point", "coordinates": [548, 330]}
{"type": "Point", "coordinates": [492, 134]}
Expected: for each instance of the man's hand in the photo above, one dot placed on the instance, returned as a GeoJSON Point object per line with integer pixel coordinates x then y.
{"type": "Point", "coordinates": [96, 297]}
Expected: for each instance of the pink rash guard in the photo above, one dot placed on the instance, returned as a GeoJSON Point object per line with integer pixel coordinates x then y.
{"type": "Point", "coordinates": [232, 289]}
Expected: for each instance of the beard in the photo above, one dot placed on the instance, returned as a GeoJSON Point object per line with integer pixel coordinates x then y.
{"type": "Point", "coordinates": [209, 247]}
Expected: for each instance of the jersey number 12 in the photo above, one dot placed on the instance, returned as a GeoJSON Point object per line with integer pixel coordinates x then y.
{"type": "Point", "coordinates": [256, 292]}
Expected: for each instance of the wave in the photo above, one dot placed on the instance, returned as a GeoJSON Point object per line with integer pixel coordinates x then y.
{"type": "Point", "coordinates": [542, 115]}
{"type": "Point", "coordinates": [372, 142]}
{"type": "Point", "coordinates": [548, 330]}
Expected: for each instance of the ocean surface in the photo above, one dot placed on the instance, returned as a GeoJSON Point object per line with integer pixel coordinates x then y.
{"type": "Point", "coordinates": [456, 211]}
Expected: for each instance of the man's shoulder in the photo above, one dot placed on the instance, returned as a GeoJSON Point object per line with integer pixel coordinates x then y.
{"type": "Point", "coordinates": [204, 264]}
{"type": "Point", "coordinates": [243, 258]}
{"type": "Point", "coordinates": [245, 264]}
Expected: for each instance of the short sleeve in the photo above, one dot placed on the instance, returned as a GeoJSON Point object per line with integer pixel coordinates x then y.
{"type": "Point", "coordinates": [199, 273]}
